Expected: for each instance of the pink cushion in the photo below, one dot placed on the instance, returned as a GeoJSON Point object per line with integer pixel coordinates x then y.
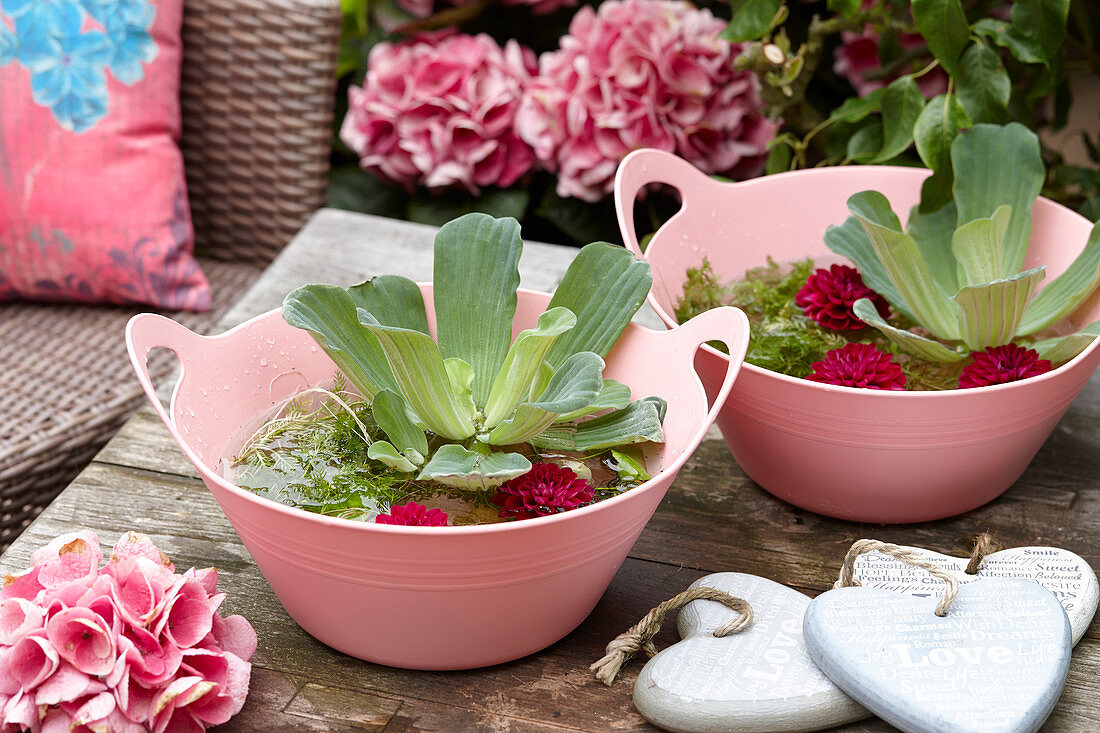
{"type": "Point", "coordinates": [93, 206]}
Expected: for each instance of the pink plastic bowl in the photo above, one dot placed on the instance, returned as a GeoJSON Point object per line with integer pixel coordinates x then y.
{"type": "Point", "coordinates": [426, 597]}
{"type": "Point", "coordinates": [863, 455]}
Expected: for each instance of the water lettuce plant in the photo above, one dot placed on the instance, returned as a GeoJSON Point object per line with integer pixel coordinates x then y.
{"type": "Point", "coordinates": [451, 406]}
{"type": "Point", "coordinates": [956, 271]}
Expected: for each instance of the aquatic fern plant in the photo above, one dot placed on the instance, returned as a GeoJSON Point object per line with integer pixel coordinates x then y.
{"type": "Point", "coordinates": [474, 387]}
{"type": "Point", "coordinates": [957, 270]}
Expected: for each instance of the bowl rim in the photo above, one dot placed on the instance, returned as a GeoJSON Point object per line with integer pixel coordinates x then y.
{"type": "Point", "coordinates": [878, 394]}
{"type": "Point", "coordinates": [210, 474]}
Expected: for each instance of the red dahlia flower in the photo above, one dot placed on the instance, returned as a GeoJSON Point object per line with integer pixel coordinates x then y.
{"type": "Point", "coordinates": [413, 515]}
{"type": "Point", "coordinates": [859, 365]}
{"type": "Point", "coordinates": [829, 295]}
{"type": "Point", "coordinates": [1002, 364]}
{"type": "Point", "coordinates": [546, 489]}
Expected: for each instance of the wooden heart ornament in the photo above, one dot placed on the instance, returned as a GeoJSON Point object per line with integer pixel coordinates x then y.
{"type": "Point", "coordinates": [990, 655]}
{"type": "Point", "coordinates": [758, 679]}
{"type": "Point", "coordinates": [1067, 576]}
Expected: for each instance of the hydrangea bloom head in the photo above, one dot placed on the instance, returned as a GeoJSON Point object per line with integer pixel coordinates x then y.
{"type": "Point", "coordinates": [829, 295]}
{"type": "Point", "coordinates": [636, 74]}
{"type": "Point", "coordinates": [1001, 365]}
{"type": "Point", "coordinates": [128, 647]}
{"type": "Point", "coordinates": [546, 489]}
{"type": "Point", "coordinates": [859, 365]}
{"type": "Point", "coordinates": [437, 111]}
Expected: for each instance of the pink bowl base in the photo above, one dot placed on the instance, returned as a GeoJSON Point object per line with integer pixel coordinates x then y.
{"type": "Point", "coordinates": [861, 455]}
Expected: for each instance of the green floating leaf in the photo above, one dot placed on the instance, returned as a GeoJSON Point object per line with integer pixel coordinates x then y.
{"type": "Point", "coordinates": [983, 84]}
{"type": "Point", "coordinates": [943, 25]}
{"type": "Point", "coordinates": [902, 103]}
{"type": "Point", "coordinates": [388, 409]}
{"type": "Point", "coordinates": [604, 286]}
{"type": "Point", "coordinates": [850, 240]}
{"type": "Point", "coordinates": [461, 375]}
{"type": "Point", "coordinates": [1067, 291]}
{"type": "Point", "coordinates": [476, 276]}
{"type": "Point", "coordinates": [328, 313]}
{"type": "Point", "coordinates": [393, 300]}
{"type": "Point", "coordinates": [382, 451]}
{"type": "Point", "coordinates": [1063, 348]}
{"type": "Point", "coordinates": [977, 247]}
{"type": "Point", "coordinates": [989, 314]}
{"type": "Point", "coordinates": [752, 19]}
{"type": "Point", "coordinates": [575, 385]}
{"type": "Point", "coordinates": [995, 166]}
{"type": "Point", "coordinates": [613, 396]}
{"type": "Point", "coordinates": [932, 233]}
{"type": "Point", "coordinates": [901, 257]}
{"type": "Point", "coordinates": [454, 465]}
{"type": "Point", "coordinates": [912, 343]}
{"type": "Point", "coordinates": [638, 423]}
{"type": "Point", "coordinates": [629, 463]}
{"type": "Point", "coordinates": [855, 109]}
{"type": "Point", "coordinates": [422, 377]}
{"type": "Point", "coordinates": [523, 362]}
{"type": "Point", "coordinates": [936, 128]}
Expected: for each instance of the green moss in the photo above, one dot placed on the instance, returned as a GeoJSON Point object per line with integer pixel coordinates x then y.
{"type": "Point", "coordinates": [783, 339]}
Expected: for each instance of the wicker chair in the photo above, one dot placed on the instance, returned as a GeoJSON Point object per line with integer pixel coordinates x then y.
{"type": "Point", "coordinates": [257, 101]}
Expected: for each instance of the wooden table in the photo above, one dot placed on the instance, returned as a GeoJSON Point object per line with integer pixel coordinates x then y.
{"type": "Point", "coordinates": [713, 519]}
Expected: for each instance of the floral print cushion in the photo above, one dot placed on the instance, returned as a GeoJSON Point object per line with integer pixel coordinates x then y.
{"type": "Point", "coordinates": [93, 206]}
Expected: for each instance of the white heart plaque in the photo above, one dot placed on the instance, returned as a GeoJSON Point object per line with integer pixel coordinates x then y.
{"type": "Point", "coordinates": [757, 680]}
{"type": "Point", "coordinates": [1064, 574]}
{"type": "Point", "coordinates": [996, 662]}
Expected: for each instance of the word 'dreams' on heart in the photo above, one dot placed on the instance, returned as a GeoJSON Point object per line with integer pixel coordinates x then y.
{"type": "Point", "coordinates": [759, 679]}
{"type": "Point", "coordinates": [1067, 576]}
{"type": "Point", "coordinates": [996, 661]}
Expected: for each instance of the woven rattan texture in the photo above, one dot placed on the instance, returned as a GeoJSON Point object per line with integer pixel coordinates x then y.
{"type": "Point", "coordinates": [257, 92]}
{"type": "Point", "coordinates": [68, 386]}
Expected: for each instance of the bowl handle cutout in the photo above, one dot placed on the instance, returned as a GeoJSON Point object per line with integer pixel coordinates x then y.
{"type": "Point", "coordinates": [726, 324]}
{"type": "Point", "coordinates": [638, 170]}
{"type": "Point", "coordinates": [148, 331]}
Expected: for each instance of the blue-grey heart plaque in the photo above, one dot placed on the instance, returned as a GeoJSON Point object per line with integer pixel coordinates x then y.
{"type": "Point", "coordinates": [996, 662]}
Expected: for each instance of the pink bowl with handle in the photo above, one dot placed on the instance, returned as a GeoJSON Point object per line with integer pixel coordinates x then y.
{"type": "Point", "coordinates": [862, 455]}
{"type": "Point", "coordinates": [427, 597]}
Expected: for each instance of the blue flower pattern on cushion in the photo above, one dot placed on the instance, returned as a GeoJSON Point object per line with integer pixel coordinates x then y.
{"type": "Point", "coordinates": [68, 57]}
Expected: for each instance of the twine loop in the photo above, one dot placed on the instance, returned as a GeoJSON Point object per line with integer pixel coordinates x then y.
{"type": "Point", "coordinates": [909, 557]}
{"type": "Point", "coordinates": [984, 544]}
{"type": "Point", "coordinates": [639, 637]}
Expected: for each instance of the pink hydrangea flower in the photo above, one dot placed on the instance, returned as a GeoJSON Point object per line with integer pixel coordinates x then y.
{"type": "Point", "coordinates": [636, 74]}
{"type": "Point", "coordinates": [857, 56]}
{"type": "Point", "coordinates": [828, 297]}
{"type": "Point", "coordinates": [859, 365]}
{"type": "Point", "coordinates": [546, 489]}
{"type": "Point", "coordinates": [413, 515]}
{"type": "Point", "coordinates": [437, 111]}
{"type": "Point", "coordinates": [424, 8]}
{"type": "Point", "coordinates": [1001, 365]}
{"type": "Point", "coordinates": [127, 647]}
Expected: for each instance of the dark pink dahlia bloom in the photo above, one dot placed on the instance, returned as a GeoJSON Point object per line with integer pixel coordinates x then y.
{"type": "Point", "coordinates": [828, 297]}
{"type": "Point", "coordinates": [859, 365]}
{"type": "Point", "coordinates": [1002, 364]}
{"type": "Point", "coordinates": [546, 489]}
{"type": "Point", "coordinates": [413, 515]}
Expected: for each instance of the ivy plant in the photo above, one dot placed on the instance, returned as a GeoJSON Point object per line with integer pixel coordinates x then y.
{"type": "Point", "coordinates": [957, 271]}
{"type": "Point", "coordinates": [452, 407]}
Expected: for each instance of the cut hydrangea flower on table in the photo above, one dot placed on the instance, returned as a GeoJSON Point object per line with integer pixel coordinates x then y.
{"type": "Point", "coordinates": [131, 646]}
